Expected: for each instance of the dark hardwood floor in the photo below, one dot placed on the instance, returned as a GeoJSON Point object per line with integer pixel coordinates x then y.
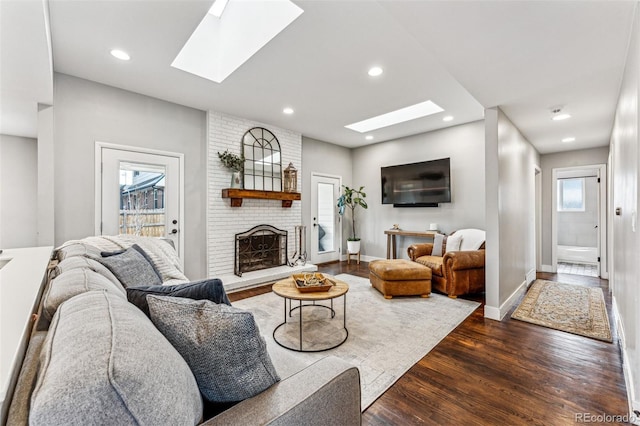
{"type": "Point", "coordinates": [502, 372]}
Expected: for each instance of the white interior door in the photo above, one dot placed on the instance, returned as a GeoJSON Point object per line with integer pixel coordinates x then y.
{"type": "Point", "coordinates": [325, 222]}
{"type": "Point", "coordinates": [140, 193]}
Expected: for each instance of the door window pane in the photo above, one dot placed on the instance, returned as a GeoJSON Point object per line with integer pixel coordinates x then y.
{"type": "Point", "coordinates": [142, 199]}
{"type": "Point", "coordinates": [571, 195]}
{"type": "Point", "coordinates": [326, 218]}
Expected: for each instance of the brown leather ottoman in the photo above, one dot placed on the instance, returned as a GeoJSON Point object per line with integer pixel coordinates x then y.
{"type": "Point", "coordinates": [400, 277]}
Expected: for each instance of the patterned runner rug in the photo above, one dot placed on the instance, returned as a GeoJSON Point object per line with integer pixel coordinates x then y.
{"type": "Point", "coordinates": [572, 308]}
{"type": "Point", "coordinates": [386, 337]}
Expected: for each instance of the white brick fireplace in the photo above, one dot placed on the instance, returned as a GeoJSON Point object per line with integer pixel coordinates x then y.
{"type": "Point", "coordinates": [223, 221]}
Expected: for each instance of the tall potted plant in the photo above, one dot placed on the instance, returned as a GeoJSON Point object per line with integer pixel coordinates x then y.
{"type": "Point", "coordinates": [352, 198]}
{"type": "Point", "coordinates": [235, 163]}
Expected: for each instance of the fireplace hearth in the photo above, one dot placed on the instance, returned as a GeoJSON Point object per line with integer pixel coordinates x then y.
{"type": "Point", "coordinates": [261, 247]}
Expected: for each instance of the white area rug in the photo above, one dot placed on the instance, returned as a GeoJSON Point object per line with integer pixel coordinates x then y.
{"type": "Point", "coordinates": [386, 337]}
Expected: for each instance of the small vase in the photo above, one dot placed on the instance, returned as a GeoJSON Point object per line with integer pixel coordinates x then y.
{"type": "Point", "coordinates": [236, 180]}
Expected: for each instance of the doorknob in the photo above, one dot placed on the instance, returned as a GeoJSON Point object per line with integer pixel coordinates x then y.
{"type": "Point", "coordinates": [175, 222]}
{"type": "Point", "coordinates": [174, 231]}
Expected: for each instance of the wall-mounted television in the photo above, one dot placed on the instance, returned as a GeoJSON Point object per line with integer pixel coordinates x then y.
{"type": "Point", "coordinates": [424, 184]}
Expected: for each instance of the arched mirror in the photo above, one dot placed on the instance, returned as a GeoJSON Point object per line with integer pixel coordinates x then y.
{"type": "Point", "coordinates": [262, 161]}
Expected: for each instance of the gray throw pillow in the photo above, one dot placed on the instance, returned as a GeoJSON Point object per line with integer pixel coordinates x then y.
{"type": "Point", "coordinates": [132, 267]}
{"type": "Point", "coordinates": [221, 344]}
{"type": "Point", "coordinates": [212, 289]}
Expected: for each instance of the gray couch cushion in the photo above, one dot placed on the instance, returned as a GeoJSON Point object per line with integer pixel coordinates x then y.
{"type": "Point", "coordinates": [132, 267]}
{"type": "Point", "coordinates": [72, 283]}
{"type": "Point", "coordinates": [76, 249]}
{"type": "Point", "coordinates": [76, 262]}
{"type": "Point", "coordinates": [206, 289]}
{"type": "Point", "coordinates": [221, 344]}
{"type": "Point", "coordinates": [104, 362]}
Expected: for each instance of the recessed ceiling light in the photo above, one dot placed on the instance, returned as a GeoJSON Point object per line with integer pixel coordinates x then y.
{"type": "Point", "coordinates": [288, 111]}
{"type": "Point", "coordinates": [369, 137]}
{"type": "Point", "coordinates": [401, 115]}
{"type": "Point", "coordinates": [447, 118]}
{"type": "Point", "coordinates": [375, 71]}
{"type": "Point", "coordinates": [559, 117]}
{"type": "Point", "coordinates": [217, 8]}
{"type": "Point", "coordinates": [569, 139]}
{"type": "Point", "coordinates": [120, 54]}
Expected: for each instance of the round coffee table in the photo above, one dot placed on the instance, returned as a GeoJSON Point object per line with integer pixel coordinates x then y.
{"type": "Point", "coordinates": [288, 291]}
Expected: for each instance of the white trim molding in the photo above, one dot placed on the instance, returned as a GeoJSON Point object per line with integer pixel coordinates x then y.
{"type": "Point", "coordinates": [634, 404]}
{"type": "Point", "coordinates": [498, 314]}
{"type": "Point", "coordinates": [547, 268]}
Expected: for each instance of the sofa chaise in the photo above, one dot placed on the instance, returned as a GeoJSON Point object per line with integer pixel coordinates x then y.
{"type": "Point", "coordinates": [95, 358]}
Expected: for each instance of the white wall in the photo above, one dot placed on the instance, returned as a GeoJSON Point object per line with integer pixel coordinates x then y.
{"type": "Point", "coordinates": [548, 162]}
{"type": "Point", "coordinates": [46, 177]}
{"type": "Point", "coordinates": [223, 221]}
{"type": "Point", "coordinates": [625, 165]}
{"type": "Point", "coordinates": [464, 144]}
{"type": "Point", "coordinates": [18, 191]}
{"type": "Point", "coordinates": [323, 157]}
{"type": "Point", "coordinates": [510, 182]}
{"type": "Point", "coordinates": [86, 112]}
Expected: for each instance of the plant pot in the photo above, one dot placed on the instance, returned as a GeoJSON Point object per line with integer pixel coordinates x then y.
{"type": "Point", "coordinates": [236, 180]}
{"type": "Point", "coordinates": [353, 247]}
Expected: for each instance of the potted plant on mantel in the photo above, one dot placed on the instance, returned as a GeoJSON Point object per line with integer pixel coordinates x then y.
{"type": "Point", "coordinates": [352, 198]}
{"type": "Point", "coordinates": [235, 163]}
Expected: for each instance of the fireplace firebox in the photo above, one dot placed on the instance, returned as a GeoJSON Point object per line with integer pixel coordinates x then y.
{"type": "Point", "coordinates": [261, 247]}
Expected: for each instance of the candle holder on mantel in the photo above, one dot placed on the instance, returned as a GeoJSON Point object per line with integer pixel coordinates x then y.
{"type": "Point", "coordinates": [300, 255]}
{"type": "Point", "coordinates": [290, 179]}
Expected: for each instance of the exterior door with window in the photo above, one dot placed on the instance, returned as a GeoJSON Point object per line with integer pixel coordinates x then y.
{"type": "Point", "coordinates": [139, 193]}
{"type": "Point", "coordinates": [325, 221]}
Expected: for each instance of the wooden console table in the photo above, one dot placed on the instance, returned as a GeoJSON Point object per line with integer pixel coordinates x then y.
{"type": "Point", "coordinates": [391, 238]}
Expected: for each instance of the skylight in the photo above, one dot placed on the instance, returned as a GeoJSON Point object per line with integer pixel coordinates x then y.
{"type": "Point", "coordinates": [412, 112]}
{"type": "Point", "coordinates": [217, 8]}
{"type": "Point", "coordinates": [224, 41]}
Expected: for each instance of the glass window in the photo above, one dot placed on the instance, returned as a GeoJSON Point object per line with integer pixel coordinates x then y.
{"type": "Point", "coordinates": [326, 218]}
{"type": "Point", "coordinates": [571, 195]}
{"type": "Point", "coordinates": [142, 199]}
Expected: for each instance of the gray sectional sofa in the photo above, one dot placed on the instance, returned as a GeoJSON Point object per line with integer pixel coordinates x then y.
{"type": "Point", "coordinates": [95, 358]}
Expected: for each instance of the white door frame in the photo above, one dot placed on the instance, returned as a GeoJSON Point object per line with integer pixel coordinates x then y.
{"type": "Point", "coordinates": [98, 183]}
{"type": "Point", "coordinates": [339, 227]}
{"type": "Point", "coordinates": [538, 216]}
{"type": "Point", "coordinates": [602, 215]}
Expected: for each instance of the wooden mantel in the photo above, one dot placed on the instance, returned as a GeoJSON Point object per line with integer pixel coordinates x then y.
{"type": "Point", "coordinates": [237, 195]}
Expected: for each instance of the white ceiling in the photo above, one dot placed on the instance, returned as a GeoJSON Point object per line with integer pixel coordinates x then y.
{"type": "Point", "coordinates": [524, 56]}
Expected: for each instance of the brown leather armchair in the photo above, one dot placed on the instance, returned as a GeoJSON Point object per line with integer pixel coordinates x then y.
{"type": "Point", "coordinates": [456, 272]}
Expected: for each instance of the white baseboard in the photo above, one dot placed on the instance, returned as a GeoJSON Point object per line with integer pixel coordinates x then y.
{"type": "Point", "coordinates": [363, 258]}
{"type": "Point", "coordinates": [530, 276]}
{"type": "Point", "coordinates": [634, 404]}
{"type": "Point", "coordinates": [498, 314]}
{"type": "Point", "coordinates": [547, 268]}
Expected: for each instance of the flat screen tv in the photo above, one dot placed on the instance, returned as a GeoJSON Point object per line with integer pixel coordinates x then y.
{"type": "Point", "coordinates": [424, 184]}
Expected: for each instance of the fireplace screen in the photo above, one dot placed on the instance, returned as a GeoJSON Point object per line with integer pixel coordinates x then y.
{"type": "Point", "coordinates": [261, 247]}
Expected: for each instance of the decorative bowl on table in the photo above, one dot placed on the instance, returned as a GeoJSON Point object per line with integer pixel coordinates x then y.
{"type": "Point", "coordinates": [310, 282]}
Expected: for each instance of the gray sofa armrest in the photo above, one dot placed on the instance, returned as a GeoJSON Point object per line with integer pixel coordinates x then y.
{"type": "Point", "coordinates": [325, 393]}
